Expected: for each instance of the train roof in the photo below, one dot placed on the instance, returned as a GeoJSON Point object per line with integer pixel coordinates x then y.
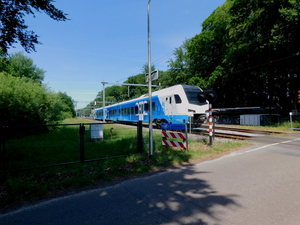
{"type": "Point", "coordinates": [184, 86]}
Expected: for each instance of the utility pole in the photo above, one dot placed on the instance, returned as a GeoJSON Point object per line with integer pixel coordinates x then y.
{"type": "Point", "coordinates": [150, 87]}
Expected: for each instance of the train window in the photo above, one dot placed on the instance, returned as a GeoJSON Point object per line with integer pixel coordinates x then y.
{"type": "Point", "coordinates": [170, 100]}
{"type": "Point", "coordinates": [146, 106]}
{"type": "Point", "coordinates": [136, 110]}
{"type": "Point", "coordinates": [191, 94]}
{"type": "Point", "coordinates": [177, 99]}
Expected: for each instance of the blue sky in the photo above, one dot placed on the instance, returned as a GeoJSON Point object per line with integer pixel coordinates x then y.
{"type": "Point", "coordinates": [107, 40]}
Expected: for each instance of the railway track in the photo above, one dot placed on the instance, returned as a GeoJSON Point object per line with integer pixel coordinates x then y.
{"type": "Point", "coordinates": [226, 132]}
{"type": "Point", "coordinates": [232, 133]}
{"type": "Point", "coordinates": [223, 135]}
{"type": "Point", "coordinates": [243, 130]}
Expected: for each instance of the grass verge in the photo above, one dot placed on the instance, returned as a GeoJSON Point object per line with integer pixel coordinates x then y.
{"type": "Point", "coordinates": [30, 186]}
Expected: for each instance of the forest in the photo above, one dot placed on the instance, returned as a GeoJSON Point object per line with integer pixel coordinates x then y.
{"type": "Point", "coordinates": [248, 51]}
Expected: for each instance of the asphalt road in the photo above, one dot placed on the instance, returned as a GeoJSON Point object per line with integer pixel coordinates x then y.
{"type": "Point", "coordinates": [258, 185]}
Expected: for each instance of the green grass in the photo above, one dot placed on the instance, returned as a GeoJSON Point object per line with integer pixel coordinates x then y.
{"type": "Point", "coordinates": [35, 184]}
{"type": "Point", "coordinates": [61, 145]}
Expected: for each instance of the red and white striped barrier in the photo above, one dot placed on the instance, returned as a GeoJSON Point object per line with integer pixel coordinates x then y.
{"type": "Point", "coordinates": [178, 144]}
{"type": "Point", "coordinates": [210, 121]}
{"type": "Point", "coordinates": [174, 144]}
{"type": "Point", "coordinates": [173, 135]}
{"type": "Point", "coordinates": [210, 125]}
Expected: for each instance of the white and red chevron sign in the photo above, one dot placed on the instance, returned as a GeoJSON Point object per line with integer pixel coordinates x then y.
{"type": "Point", "coordinates": [173, 143]}
{"type": "Point", "coordinates": [173, 135]}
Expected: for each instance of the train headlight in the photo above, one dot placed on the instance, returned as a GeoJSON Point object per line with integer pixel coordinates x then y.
{"type": "Point", "coordinates": [191, 110]}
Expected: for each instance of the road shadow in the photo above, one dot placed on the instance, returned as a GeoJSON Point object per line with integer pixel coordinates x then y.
{"type": "Point", "coordinates": [177, 197]}
{"type": "Point", "coordinates": [180, 196]}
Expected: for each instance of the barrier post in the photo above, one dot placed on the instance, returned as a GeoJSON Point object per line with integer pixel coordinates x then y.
{"type": "Point", "coordinates": [81, 140]}
{"type": "Point", "coordinates": [210, 123]}
{"type": "Point", "coordinates": [186, 137]}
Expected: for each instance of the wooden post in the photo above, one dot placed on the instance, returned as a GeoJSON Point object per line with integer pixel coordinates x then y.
{"type": "Point", "coordinates": [111, 129]}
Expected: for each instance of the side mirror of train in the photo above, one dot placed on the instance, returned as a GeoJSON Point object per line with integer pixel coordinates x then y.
{"type": "Point", "coordinates": [210, 96]}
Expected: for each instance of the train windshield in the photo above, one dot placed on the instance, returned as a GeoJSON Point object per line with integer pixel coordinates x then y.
{"type": "Point", "coordinates": [191, 94]}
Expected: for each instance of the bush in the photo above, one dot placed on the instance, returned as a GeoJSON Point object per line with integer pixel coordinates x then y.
{"type": "Point", "coordinates": [23, 101]}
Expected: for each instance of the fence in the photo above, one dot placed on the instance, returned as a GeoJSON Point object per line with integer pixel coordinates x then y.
{"type": "Point", "coordinates": [26, 147]}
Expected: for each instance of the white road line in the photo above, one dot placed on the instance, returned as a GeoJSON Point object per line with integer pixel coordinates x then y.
{"type": "Point", "coordinates": [278, 143]}
{"type": "Point", "coordinates": [256, 149]}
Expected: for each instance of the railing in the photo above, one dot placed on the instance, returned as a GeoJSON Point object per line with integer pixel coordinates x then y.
{"type": "Point", "coordinates": [27, 147]}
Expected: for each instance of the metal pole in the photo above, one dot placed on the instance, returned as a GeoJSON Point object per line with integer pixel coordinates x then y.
{"type": "Point", "coordinates": [149, 87]}
{"type": "Point", "coordinates": [103, 106]}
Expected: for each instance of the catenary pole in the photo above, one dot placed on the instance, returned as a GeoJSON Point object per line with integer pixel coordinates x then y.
{"type": "Point", "coordinates": [149, 87]}
{"type": "Point", "coordinates": [103, 104]}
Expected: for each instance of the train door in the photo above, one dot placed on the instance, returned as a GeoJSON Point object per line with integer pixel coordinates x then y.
{"type": "Point", "coordinates": [107, 114]}
{"type": "Point", "coordinates": [141, 111]}
{"type": "Point", "coordinates": [170, 106]}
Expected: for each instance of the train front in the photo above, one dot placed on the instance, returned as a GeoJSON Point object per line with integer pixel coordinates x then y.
{"type": "Point", "coordinates": [197, 104]}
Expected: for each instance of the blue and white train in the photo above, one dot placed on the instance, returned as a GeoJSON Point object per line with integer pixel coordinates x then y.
{"type": "Point", "coordinates": [177, 105]}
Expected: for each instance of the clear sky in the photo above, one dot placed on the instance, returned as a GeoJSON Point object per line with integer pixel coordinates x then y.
{"type": "Point", "coordinates": [107, 40]}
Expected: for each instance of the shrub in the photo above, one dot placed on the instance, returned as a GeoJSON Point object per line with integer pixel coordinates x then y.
{"type": "Point", "coordinates": [23, 101]}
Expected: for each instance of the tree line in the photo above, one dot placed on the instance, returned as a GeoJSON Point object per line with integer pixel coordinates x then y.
{"type": "Point", "coordinates": [248, 51]}
{"type": "Point", "coordinates": [23, 97]}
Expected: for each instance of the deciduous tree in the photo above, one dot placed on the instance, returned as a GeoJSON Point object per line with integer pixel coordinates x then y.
{"type": "Point", "coordinates": [12, 21]}
{"type": "Point", "coordinates": [23, 66]}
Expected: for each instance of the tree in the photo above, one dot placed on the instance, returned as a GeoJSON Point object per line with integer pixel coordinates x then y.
{"type": "Point", "coordinates": [206, 52]}
{"type": "Point", "coordinates": [69, 108]}
{"type": "Point", "coordinates": [3, 61]}
{"type": "Point", "coordinates": [22, 66]}
{"type": "Point", "coordinates": [264, 48]}
{"type": "Point", "coordinates": [248, 50]}
{"type": "Point", "coordinates": [24, 101]}
{"type": "Point", "coordinates": [12, 23]}
{"type": "Point", "coordinates": [178, 72]}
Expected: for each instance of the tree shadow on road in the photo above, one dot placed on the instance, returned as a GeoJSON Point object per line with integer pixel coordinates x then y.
{"type": "Point", "coordinates": [179, 197]}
